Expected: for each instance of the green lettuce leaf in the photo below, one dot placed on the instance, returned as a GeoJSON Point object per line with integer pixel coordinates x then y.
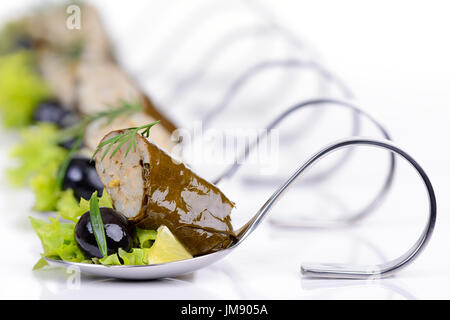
{"type": "Point", "coordinates": [45, 188]}
{"type": "Point", "coordinates": [70, 209]}
{"type": "Point", "coordinates": [145, 237]}
{"type": "Point", "coordinates": [21, 88]}
{"type": "Point", "coordinates": [136, 257]}
{"type": "Point", "coordinates": [105, 200]}
{"type": "Point", "coordinates": [58, 240]}
{"type": "Point", "coordinates": [37, 153]}
{"type": "Point", "coordinates": [111, 260]}
{"type": "Point", "coordinates": [40, 264]}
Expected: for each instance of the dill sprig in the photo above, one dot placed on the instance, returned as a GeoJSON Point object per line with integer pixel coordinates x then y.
{"type": "Point", "coordinates": [128, 136]}
{"type": "Point", "coordinates": [77, 132]}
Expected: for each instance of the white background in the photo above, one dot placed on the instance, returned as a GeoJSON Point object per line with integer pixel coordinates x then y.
{"type": "Point", "coordinates": [393, 56]}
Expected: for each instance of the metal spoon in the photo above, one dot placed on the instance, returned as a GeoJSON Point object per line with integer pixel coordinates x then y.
{"type": "Point", "coordinates": [342, 222]}
{"type": "Point", "coordinates": [178, 268]}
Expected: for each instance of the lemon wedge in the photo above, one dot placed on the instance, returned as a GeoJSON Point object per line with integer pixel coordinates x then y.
{"type": "Point", "coordinates": [166, 248]}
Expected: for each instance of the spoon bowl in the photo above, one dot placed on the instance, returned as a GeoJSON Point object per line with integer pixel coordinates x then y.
{"type": "Point", "coordinates": [144, 272]}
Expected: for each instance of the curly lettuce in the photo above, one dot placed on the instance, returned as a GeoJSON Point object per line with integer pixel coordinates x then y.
{"type": "Point", "coordinates": [37, 153]}
{"type": "Point", "coordinates": [45, 188]}
{"type": "Point", "coordinates": [58, 238]}
{"type": "Point", "coordinates": [136, 257]}
{"type": "Point", "coordinates": [21, 88]}
{"type": "Point", "coordinates": [111, 260]}
{"type": "Point", "coordinates": [70, 209]}
{"type": "Point", "coordinates": [58, 241]}
{"type": "Point", "coordinates": [38, 158]}
{"type": "Point", "coordinates": [145, 237]}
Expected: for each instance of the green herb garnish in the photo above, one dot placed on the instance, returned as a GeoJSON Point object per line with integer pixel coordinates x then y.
{"type": "Point", "coordinates": [128, 136]}
{"type": "Point", "coordinates": [97, 224]}
{"type": "Point", "coordinates": [77, 132]}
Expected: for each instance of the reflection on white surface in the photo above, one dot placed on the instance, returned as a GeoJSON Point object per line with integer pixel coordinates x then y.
{"type": "Point", "coordinates": [57, 284]}
{"type": "Point", "coordinates": [349, 289]}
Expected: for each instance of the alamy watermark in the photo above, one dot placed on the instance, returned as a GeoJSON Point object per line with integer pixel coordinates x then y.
{"type": "Point", "coordinates": [73, 281]}
{"type": "Point", "coordinates": [256, 147]}
{"type": "Point", "coordinates": [73, 21]}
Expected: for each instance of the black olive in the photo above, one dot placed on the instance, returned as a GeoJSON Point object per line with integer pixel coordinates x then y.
{"type": "Point", "coordinates": [23, 42]}
{"type": "Point", "coordinates": [82, 177]}
{"type": "Point", "coordinates": [118, 230]}
{"type": "Point", "coordinates": [51, 111]}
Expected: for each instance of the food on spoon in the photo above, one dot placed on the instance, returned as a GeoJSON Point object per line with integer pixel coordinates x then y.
{"type": "Point", "coordinates": [98, 129]}
{"type": "Point", "coordinates": [151, 189]}
{"type": "Point", "coordinates": [73, 73]}
{"type": "Point", "coordinates": [75, 241]}
{"type": "Point", "coordinates": [119, 233]}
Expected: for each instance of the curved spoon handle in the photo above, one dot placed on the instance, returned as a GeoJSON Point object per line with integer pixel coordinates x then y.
{"type": "Point", "coordinates": [345, 271]}
{"type": "Point", "coordinates": [288, 63]}
{"type": "Point", "coordinates": [333, 223]}
{"type": "Point", "coordinates": [237, 35]}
